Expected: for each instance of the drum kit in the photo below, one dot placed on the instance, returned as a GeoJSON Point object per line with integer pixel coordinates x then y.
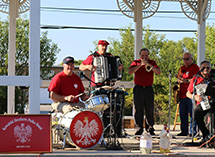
{"type": "Point", "coordinates": [84, 128]}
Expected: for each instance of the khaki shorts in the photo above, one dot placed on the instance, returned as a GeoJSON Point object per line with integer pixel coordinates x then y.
{"type": "Point", "coordinates": [66, 106]}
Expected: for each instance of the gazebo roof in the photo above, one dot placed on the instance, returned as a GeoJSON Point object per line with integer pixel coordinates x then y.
{"type": "Point", "coordinates": [24, 5]}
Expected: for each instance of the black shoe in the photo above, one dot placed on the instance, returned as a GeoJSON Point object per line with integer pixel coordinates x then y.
{"type": "Point", "coordinates": [181, 134]}
{"type": "Point", "coordinates": [139, 132]}
{"type": "Point", "coordinates": [151, 131]}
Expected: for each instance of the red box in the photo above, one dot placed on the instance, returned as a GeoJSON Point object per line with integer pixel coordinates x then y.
{"type": "Point", "coordinates": [25, 133]}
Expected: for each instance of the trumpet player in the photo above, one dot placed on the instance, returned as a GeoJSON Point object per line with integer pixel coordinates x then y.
{"type": "Point", "coordinates": [143, 94]}
{"type": "Point", "coordinates": [185, 74]}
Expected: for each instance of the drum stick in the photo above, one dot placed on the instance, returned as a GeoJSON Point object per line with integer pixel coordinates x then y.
{"type": "Point", "coordinates": [79, 95]}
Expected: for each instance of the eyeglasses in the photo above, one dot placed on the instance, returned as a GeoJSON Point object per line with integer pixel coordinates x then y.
{"type": "Point", "coordinates": [205, 68]}
{"type": "Point", "coordinates": [185, 59]}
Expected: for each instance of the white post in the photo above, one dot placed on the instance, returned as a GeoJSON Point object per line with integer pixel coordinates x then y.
{"type": "Point", "coordinates": [201, 43]}
{"type": "Point", "coordinates": [34, 57]}
{"type": "Point", "coordinates": [138, 27]}
{"type": "Point", "coordinates": [201, 32]}
{"type": "Point", "coordinates": [13, 12]}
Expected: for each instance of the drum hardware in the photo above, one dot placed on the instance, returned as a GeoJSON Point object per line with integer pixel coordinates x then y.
{"type": "Point", "coordinates": [112, 141]}
{"type": "Point", "coordinates": [118, 98]}
{"type": "Point", "coordinates": [66, 131]}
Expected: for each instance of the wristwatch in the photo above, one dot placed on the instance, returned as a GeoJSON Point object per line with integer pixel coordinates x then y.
{"type": "Point", "coordinates": [66, 98]}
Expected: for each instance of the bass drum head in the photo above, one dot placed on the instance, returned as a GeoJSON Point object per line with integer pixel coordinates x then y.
{"type": "Point", "coordinates": [86, 129]}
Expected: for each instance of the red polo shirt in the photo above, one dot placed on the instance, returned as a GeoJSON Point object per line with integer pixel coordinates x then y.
{"type": "Point", "coordinates": [63, 84]}
{"type": "Point", "coordinates": [141, 76]}
{"type": "Point", "coordinates": [186, 73]}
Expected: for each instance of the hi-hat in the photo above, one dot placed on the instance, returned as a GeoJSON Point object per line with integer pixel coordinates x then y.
{"type": "Point", "coordinates": [107, 87]}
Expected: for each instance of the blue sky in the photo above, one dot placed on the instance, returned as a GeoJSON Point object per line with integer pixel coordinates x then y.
{"type": "Point", "coordinates": [79, 42]}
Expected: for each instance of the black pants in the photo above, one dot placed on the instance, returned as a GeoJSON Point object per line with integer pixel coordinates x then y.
{"type": "Point", "coordinates": [199, 115]}
{"type": "Point", "coordinates": [143, 103]}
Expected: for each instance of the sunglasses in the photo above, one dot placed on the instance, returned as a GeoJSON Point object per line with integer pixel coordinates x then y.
{"type": "Point", "coordinates": [185, 59]}
{"type": "Point", "coordinates": [205, 68]}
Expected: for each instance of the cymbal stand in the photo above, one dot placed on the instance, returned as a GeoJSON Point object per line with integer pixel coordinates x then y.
{"type": "Point", "coordinates": [102, 140]}
{"type": "Point", "coordinates": [112, 141]}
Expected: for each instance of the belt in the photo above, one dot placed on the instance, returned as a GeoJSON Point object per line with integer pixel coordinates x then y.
{"type": "Point", "coordinates": [143, 86]}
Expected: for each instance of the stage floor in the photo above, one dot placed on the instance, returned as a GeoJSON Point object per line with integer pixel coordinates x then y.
{"type": "Point", "coordinates": [130, 147]}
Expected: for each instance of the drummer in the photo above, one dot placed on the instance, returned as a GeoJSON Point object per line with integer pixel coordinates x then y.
{"type": "Point", "coordinates": [66, 87]}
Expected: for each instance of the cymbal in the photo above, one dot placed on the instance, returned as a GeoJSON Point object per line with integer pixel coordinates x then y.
{"type": "Point", "coordinates": [107, 87]}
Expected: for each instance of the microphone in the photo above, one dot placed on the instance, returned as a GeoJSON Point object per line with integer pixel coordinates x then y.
{"type": "Point", "coordinates": [200, 71]}
{"type": "Point", "coordinates": [81, 74]}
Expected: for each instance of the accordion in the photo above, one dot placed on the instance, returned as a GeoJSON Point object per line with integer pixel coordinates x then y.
{"type": "Point", "coordinates": [200, 90]}
{"type": "Point", "coordinates": [107, 68]}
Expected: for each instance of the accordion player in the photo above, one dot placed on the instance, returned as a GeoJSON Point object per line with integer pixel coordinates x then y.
{"type": "Point", "coordinates": [107, 68]}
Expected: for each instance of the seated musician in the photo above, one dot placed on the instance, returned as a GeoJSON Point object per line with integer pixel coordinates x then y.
{"type": "Point", "coordinates": [65, 88]}
{"type": "Point", "coordinates": [199, 112]}
{"type": "Point", "coordinates": [88, 63]}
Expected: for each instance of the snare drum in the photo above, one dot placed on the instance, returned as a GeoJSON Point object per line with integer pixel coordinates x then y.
{"type": "Point", "coordinates": [98, 103]}
{"type": "Point", "coordinates": [85, 128]}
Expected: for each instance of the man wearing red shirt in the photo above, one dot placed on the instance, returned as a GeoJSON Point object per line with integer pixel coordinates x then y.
{"type": "Point", "coordinates": [88, 63]}
{"type": "Point", "coordinates": [185, 74]}
{"type": "Point", "coordinates": [65, 88]}
{"type": "Point", "coordinates": [199, 113]}
{"type": "Point", "coordinates": [143, 91]}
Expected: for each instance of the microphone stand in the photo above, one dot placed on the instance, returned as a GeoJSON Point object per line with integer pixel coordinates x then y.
{"type": "Point", "coordinates": [82, 75]}
{"type": "Point", "coordinates": [170, 77]}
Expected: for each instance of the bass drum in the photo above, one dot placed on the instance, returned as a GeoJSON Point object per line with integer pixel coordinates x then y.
{"type": "Point", "coordinates": [64, 125]}
{"type": "Point", "coordinates": [85, 128]}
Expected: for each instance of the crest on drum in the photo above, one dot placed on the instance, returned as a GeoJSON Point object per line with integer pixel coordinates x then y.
{"type": "Point", "coordinates": [86, 129]}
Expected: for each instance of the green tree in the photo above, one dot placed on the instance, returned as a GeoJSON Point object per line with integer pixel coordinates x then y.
{"type": "Point", "coordinates": [48, 52]}
{"type": "Point", "coordinates": [210, 44]}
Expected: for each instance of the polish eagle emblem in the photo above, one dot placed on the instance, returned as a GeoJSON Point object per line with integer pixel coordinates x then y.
{"type": "Point", "coordinates": [22, 133]}
{"type": "Point", "coordinates": [86, 132]}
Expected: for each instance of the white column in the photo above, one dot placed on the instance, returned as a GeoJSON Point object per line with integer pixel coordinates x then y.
{"type": "Point", "coordinates": [34, 56]}
{"type": "Point", "coordinates": [13, 8]}
{"type": "Point", "coordinates": [138, 27]}
{"type": "Point", "coordinates": [201, 43]}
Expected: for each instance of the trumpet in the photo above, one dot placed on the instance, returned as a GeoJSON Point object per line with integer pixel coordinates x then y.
{"type": "Point", "coordinates": [147, 66]}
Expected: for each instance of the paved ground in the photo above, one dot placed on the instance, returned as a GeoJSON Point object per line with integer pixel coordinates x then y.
{"type": "Point", "coordinates": [130, 147]}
